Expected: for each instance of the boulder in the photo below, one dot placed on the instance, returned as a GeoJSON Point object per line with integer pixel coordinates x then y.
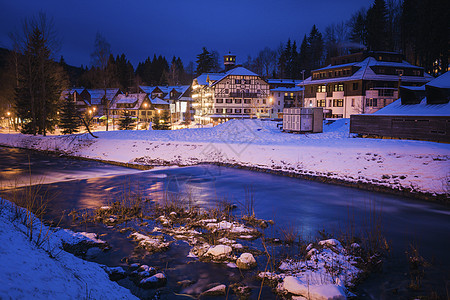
{"type": "Point", "coordinates": [152, 282]}
{"type": "Point", "coordinates": [219, 290]}
{"type": "Point", "coordinates": [219, 251]}
{"type": "Point", "coordinates": [246, 261]}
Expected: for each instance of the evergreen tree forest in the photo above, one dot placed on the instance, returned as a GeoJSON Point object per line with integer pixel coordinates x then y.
{"type": "Point", "coordinates": [32, 78]}
{"type": "Point", "coordinates": [417, 28]}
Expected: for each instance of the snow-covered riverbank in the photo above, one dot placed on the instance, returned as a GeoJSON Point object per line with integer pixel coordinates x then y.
{"type": "Point", "coordinates": [415, 166]}
{"type": "Point", "coordinates": [42, 270]}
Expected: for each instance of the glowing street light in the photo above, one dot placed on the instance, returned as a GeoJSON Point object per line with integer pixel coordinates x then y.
{"type": "Point", "coordinates": [9, 121]}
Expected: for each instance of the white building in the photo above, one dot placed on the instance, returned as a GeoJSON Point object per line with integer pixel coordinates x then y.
{"type": "Point", "coordinates": [360, 83]}
{"type": "Point", "coordinates": [237, 93]}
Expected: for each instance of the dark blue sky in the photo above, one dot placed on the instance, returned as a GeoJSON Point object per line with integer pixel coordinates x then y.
{"type": "Point", "coordinates": [140, 28]}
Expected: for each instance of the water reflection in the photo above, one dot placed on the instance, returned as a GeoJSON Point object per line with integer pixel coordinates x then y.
{"type": "Point", "coordinates": [309, 206]}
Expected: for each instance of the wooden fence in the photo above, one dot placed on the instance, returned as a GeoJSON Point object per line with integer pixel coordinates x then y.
{"type": "Point", "coordinates": [427, 128]}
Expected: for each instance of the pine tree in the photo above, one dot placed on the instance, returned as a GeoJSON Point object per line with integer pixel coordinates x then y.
{"type": "Point", "coordinates": [315, 42]}
{"type": "Point", "coordinates": [161, 120]}
{"type": "Point", "coordinates": [126, 122]}
{"type": "Point", "coordinates": [70, 121]}
{"type": "Point", "coordinates": [358, 30]}
{"type": "Point", "coordinates": [205, 62]}
{"type": "Point", "coordinates": [376, 26]}
{"type": "Point", "coordinates": [40, 78]}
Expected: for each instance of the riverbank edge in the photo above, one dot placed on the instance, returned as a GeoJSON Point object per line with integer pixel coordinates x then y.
{"type": "Point", "coordinates": [404, 192]}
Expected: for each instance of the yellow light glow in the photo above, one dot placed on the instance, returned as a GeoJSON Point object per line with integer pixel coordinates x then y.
{"type": "Point", "coordinates": [8, 113]}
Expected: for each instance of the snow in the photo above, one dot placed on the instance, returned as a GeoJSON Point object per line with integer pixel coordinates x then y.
{"type": "Point", "coordinates": [219, 250]}
{"type": "Point", "coordinates": [47, 272]}
{"type": "Point", "coordinates": [323, 292]}
{"type": "Point", "coordinates": [322, 274]}
{"type": "Point", "coordinates": [422, 109]}
{"type": "Point", "coordinates": [398, 164]}
{"type": "Point", "coordinates": [365, 72]}
{"type": "Point", "coordinates": [156, 100]}
{"type": "Point", "coordinates": [442, 81]}
{"type": "Point", "coordinates": [246, 259]}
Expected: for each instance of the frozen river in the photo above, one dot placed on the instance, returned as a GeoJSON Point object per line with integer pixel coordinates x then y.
{"type": "Point", "coordinates": [308, 206]}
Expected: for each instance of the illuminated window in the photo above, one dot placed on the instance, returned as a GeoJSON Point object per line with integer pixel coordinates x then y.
{"type": "Point", "coordinates": [321, 89]}
{"type": "Point", "coordinates": [338, 102]}
{"type": "Point", "coordinates": [338, 87]}
{"type": "Point", "coordinates": [321, 103]}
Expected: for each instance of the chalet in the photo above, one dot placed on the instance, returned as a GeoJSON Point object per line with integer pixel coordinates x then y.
{"type": "Point", "coordinates": [177, 96]}
{"type": "Point", "coordinates": [97, 101]}
{"type": "Point", "coordinates": [236, 93]}
{"type": "Point", "coordinates": [139, 106]}
{"type": "Point", "coordinates": [360, 83]}
{"type": "Point", "coordinates": [284, 93]}
{"type": "Point", "coordinates": [422, 113]}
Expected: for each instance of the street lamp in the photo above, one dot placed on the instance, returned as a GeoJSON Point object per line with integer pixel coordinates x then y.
{"type": "Point", "coordinates": [9, 121]}
{"type": "Point", "coordinates": [145, 108]}
{"type": "Point", "coordinates": [270, 106]}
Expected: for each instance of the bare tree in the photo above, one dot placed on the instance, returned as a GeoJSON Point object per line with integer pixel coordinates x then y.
{"type": "Point", "coordinates": [265, 63]}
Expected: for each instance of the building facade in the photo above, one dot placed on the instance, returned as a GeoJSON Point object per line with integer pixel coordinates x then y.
{"type": "Point", "coordinates": [284, 93]}
{"type": "Point", "coordinates": [237, 93]}
{"type": "Point", "coordinates": [179, 98]}
{"type": "Point", "coordinates": [360, 83]}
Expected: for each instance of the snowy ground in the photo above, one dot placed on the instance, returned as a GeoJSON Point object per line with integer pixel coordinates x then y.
{"type": "Point", "coordinates": [398, 164]}
{"type": "Point", "coordinates": [29, 270]}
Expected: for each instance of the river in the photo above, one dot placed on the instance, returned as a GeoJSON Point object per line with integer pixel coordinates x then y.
{"type": "Point", "coordinates": [307, 205]}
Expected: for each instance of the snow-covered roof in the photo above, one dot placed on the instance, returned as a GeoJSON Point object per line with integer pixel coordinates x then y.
{"type": "Point", "coordinates": [78, 90]}
{"type": "Point", "coordinates": [158, 101]}
{"type": "Point", "coordinates": [366, 73]}
{"type": "Point", "coordinates": [147, 89]}
{"type": "Point", "coordinates": [129, 99]}
{"type": "Point", "coordinates": [238, 71]}
{"type": "Point", "coordinates": [287, 89]}
{"type": "Point", "coordinates": [166, 89]}
{"type": "Point", "coordinates": [422, 109]}
{"type": "Point", "coordinates": [97, 95]}
{"type": "Point", "coordinates": [201, 80]}
{"type": "Point", "coordinates": [442, 82]}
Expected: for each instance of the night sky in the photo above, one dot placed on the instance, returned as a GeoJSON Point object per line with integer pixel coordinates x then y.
{"type": "Point", "coordinates": [141, 28]}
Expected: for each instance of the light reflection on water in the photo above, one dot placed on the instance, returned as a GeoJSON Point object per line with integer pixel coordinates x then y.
{"type": "Point", "coordinates": [310, 206]}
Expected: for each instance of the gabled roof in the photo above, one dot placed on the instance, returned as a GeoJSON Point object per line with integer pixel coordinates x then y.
{"type": "Point", "coordinates": [238, 71]}
{"type": "Point", "coordinates": [97, 95]}
{"type": "Point", "coordinates": [157, 100]}
{"type": "Point", "coordinates": [442, 82]}
{"type": "Point", "coordinates": [181, 89]}
{"type": "Point", "coordinates": [77, 90]}
{"type": "Point", "coordinates": [137, 99]}
{"type": "Point", "coordinates": [147, 89]}
{"type": "Point", "coordinates": [366, 73]}
{"type": "Point", "coordinates": [202, 79]}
